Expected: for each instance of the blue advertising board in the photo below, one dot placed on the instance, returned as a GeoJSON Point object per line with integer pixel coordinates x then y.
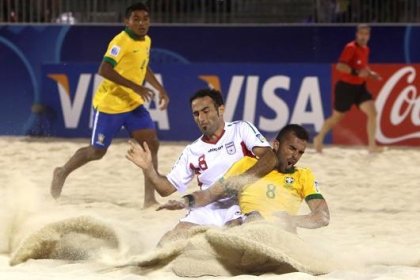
{"type": "Point", "coordinates": [237, 50]}
{"type": "Point", "coordinates": [268, 95]}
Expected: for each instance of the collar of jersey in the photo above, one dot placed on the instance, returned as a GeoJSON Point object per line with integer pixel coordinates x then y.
{"type": "Point", "coordinates": [207, 140]}
{"type": "Point", "coordinates": [290, 171]}
{"type": "Point", "coordinates": [132, 34]}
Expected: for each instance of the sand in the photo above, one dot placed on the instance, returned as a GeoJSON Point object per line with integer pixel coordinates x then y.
{"type": "Point", "coordinates": [373, 199]}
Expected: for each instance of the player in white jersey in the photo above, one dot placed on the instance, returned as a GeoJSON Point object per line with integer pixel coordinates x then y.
{"type": "Point", "coordinates": [209, 157]}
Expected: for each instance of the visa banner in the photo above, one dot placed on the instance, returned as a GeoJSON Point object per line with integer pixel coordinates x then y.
{"type": "Point", "coordinates": [397, 100]}
{"type": "Point", "coordinates": [268, 95]}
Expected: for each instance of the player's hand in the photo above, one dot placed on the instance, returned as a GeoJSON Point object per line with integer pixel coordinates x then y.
{"type": "Point", "coordinates": [364, 73]}
{"type": "Point", "coordinates": [375, 76]}
{"type": "Point", "coordinates": [285, 221]}
{"type": "Point", "coordinates": [146, 93]}
{"type": "Point", "coordinates": [140, 155]}
{"type": "Point", "coordinates": [163, 100]}
{"type": "Point", "coordinates": [172, 205]}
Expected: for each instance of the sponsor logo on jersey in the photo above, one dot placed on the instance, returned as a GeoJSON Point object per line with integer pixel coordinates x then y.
{"type": "Point", "coordinates": [115, 50]}
{"type": "Point", "coordinates": [230, 148]}
{"type": "Point", "coordinates": [215, 149]}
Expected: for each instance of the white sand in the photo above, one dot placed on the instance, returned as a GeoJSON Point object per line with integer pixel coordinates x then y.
{"type": "Point", "coordinates": [373, 199]}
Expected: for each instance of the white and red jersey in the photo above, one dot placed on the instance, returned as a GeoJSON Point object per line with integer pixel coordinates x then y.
{"type": "Point", "coordinates": [211, 160]}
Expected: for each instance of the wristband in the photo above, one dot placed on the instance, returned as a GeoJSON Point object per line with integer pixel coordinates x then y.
{"type": "Point", "coordinates": [354, 72]}
{"type": "Point", "coordinates": [191, 200]}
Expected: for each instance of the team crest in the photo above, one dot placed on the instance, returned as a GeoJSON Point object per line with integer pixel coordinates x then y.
{"type": "Point", "coordinates": [289, 180]}
{"type": "Point", "coordinates": [230, 148]}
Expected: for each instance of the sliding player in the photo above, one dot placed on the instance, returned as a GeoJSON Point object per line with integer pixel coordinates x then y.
{"type": "Point", "coordinates": [278, 194]}
{"type": "Point", "coordinates": [209, 157]}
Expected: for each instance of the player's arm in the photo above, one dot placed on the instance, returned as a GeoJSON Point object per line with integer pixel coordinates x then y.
{"type": "Point", "coordinates": [261, 149]}
{"type": "Point", "coordinates": [107, 71]}
{"type": "Point", "coordinates": [163, 96]}
{"type": "Point", "coordinates": [228, 186]}
{"type": "Point", "coordinates": [343, 64]}
{"type": "Point", "coordinates": [363, 73]}
{"type": "Point", "coordinates": [319, 216]}
{"type": "Point", "coordinates": [142, 157]}
{"type": "Point", "coordinates": [267, 161]}
{"type": "Point", "coordinates": [373, 75]}
{"type": "Point", "coordinates": [197, 198]}
{"type": "Point", "coordinates": [344, 68]}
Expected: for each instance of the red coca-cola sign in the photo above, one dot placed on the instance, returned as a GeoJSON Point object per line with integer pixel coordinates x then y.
{"type": "Point", "coordinates": [397, 100]}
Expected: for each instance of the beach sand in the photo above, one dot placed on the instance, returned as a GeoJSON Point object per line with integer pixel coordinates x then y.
{"type": "Point", "coordinates": [374, 230]}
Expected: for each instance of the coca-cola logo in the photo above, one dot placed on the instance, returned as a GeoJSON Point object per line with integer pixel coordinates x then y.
{"type": "Point", "coordinates": [398, 106]}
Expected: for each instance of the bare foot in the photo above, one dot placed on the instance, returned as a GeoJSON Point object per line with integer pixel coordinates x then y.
{"type": "Point", "coordinates": [151, 204]}
{"type": "Point", "coordinates": [57, 183]}
{"type": "Point", "coordinates": [318, 144]}
{"type": "Point", "coordinates": [376, 149]}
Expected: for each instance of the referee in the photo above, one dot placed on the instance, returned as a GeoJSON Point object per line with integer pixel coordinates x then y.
{"type": "Point", "coordinates": [351, 88]}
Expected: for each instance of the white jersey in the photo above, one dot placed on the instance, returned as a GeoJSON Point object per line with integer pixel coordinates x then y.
{"type": "Point", "coordinates": [210, 161]}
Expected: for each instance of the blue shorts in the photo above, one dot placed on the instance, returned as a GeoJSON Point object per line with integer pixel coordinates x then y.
{"type": "Point", "coordinates": [106, 126]}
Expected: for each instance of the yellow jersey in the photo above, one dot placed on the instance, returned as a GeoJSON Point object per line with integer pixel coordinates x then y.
{"type": "Point", "coordinates": [276, 191]}
{"type": "Point", "coordinates": [130, 58]}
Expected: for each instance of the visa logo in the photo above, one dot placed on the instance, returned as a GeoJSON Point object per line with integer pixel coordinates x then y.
{"type": "Point", "coordinates": [271, 91]}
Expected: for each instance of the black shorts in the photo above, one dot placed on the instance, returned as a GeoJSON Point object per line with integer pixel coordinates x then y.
{"type": "Point", "coordinates": [348, 94]}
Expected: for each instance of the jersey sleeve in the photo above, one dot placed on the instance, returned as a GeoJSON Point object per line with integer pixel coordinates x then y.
{"type": "Point", "coordinates": [251, 137]}
{"type": "Point", "coordinates": [346, 54]}
{"type": "Point", "coordinates": [240, 167]}
{"type": "Point", "coordinates": [310, 186]}
{"type": "Point", "coordinates": [115, 51]}
{"type": "Point", "coordinates": [181, 174]}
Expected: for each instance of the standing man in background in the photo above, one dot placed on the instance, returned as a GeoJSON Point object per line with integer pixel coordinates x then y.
{"type": "Point", "coordinates": [351, 88]}
{"type": "Point", "coordinates": [119, 100]}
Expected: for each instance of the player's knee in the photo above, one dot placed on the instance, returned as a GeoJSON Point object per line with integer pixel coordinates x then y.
{"type": "Point", "coordinates": [97, 154]}
{"type": "Point", "coordinates": [153, 145]}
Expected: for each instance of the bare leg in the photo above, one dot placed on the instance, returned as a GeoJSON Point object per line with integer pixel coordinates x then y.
{"type": "Point", "coordinates": [326, 127]}
{"type": "Point", "coordinates": [80, 158]}
{"type": "Point", "coordinates": [150, 137]}
{"type": "Point", "coordinates": [179, 232]}
{"type": "Point", "coordinates": [368, 107]}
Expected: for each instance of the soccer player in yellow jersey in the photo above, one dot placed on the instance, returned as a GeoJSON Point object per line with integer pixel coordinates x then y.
{"type": "Point", "coordinates": [276, 196]}
{"type": "Point", "coordinates": [120, 97]}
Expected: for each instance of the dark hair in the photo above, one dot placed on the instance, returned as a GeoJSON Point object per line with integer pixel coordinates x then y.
{"type": "Point", "coordinates": [362, 26]}
{"type": "Point", "coordinates": [299, 131]}
{"type": "Point", "coordinates": [136, 7]}
{"type": "Point", "coordinates": [214, 94]}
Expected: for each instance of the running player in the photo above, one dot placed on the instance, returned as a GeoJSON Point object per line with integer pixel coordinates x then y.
{"type": "Point", "coordinates": [209, 157]}
{"type": "Point", "coordinates": [278, 194]}
{"type": "Point", "coordinates": [120, 97]}
{"type": "Point", "coordinates": [351, 88]}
